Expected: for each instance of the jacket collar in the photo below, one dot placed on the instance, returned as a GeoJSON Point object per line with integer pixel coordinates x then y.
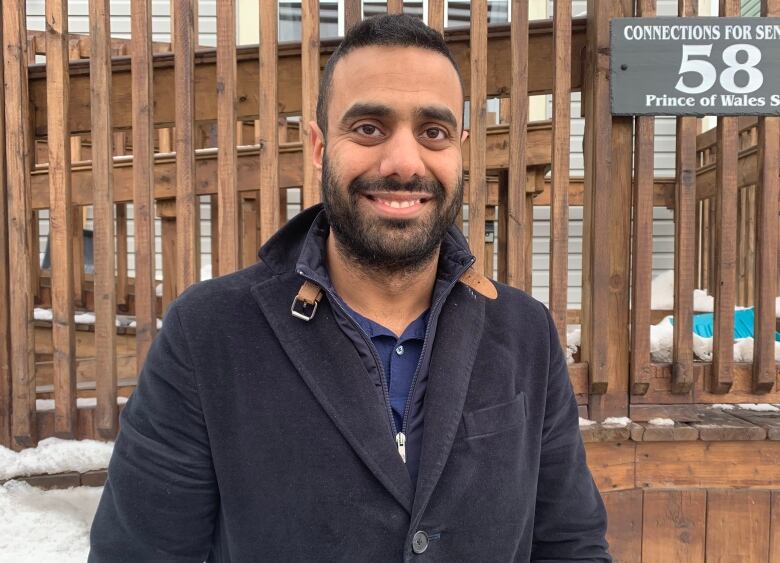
{"type": "Point", "coordinates": [300, 246]}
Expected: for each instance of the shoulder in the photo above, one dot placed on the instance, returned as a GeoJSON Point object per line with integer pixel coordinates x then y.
{"type": "Point", "coordinates": [211, 300]}
{"type": "Point", "coordinates": [519, 305]}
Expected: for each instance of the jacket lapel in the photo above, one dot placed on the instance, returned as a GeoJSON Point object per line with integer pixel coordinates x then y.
{"type": "Point", "coordinates": [331, 367]}
{"type": "Point", "coordinates": [457, 338]}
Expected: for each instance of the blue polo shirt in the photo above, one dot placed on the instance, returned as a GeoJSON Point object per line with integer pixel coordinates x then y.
{"type": "Point", "coordinates": [399, 357]}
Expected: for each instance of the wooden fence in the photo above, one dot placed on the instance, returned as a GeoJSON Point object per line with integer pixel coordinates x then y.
{"type": "Point", "coordinates": [99, 126]}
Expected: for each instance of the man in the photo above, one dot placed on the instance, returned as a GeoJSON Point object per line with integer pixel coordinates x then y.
{"type": "Point", "coordinates": [361, 394]}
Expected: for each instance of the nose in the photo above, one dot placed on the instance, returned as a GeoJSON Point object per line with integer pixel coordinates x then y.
{"type": "Point", "coordinates": [401, 157]}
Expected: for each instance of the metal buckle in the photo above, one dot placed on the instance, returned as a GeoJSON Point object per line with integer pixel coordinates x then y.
{"type": "Point", "coordinates": [303, 314]}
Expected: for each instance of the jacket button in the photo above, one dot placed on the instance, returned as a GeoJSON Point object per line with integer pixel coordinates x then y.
{"type": "Point", "coordinates": [420, 542]}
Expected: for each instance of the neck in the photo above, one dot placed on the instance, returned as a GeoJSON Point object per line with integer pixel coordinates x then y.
{"type": "Point", "coordinates": [392, 299]}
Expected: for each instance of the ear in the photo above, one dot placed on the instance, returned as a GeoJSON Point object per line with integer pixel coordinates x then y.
{"type": "Point", "coordinates": [317, 140]}
{"type": "Point", "coordinates": [464, 136]}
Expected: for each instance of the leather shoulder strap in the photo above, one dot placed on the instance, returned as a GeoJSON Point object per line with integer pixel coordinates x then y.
{"type": "Point", "coordinates": [479, 283]}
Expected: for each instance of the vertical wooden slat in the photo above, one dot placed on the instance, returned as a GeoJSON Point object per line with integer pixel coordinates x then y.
{"type": "Point", "coordinates": [395, 6]}
{"type": "Point", "coordinates": [269, 132]}
{"type": "Point", "coordinates": [674, 526]}
{"type": "Point", "coordinates": [103, 237]}
{"type": "Point", "coordinates": [121, 255]}
{"type": "Point", "coordinates": [249, 229]}
{"type": "Point", "coordinates": [214, 224]}
{"type": "Point", "coordinates": [17, 124]}
{"type": "Point", "coordinates": [597, 152]}
{"type": "Point", "coordinates": [61, 225]}
{"type": "Point", "coordinates": [559, 185]}
{"type": "Point", "coordinates": [517, 226]}
{"type": "Point", "coordinates": [143, 177]}
{"type": "Point", "coordinates": [436, 15]}
{"type": "Point", "coordinates": [77, 243]}
{"type": "Point", "coordinates": [187, 208]}
{"type": "Point", "coordinates": [5, 334]}
{"type": "Point", "coordinates": [353, 13]}
{"type": "Point", "coordinates": [227, 187]}
{"type": "Point", "coordinates": [725, 241]}
{"type": "Point", "coordinates": [684, 241]}
{"type": "Point", "coordinates": [642, 243]}
{"type": "Point", "coordinates": [738, 526]}
{"type": "Point", "coordinates": [310, 83]}
{"type": "Point", "coordinates": [478, 130]}
{"type": "Point", "coordinates": [766, 237]}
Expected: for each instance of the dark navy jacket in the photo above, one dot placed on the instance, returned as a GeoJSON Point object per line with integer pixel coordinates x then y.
{"type": "Point", "coordinates": [255, 436]}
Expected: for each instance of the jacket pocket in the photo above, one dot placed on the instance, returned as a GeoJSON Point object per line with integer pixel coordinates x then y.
{"type": "Point", "coordinates": [496, 418]}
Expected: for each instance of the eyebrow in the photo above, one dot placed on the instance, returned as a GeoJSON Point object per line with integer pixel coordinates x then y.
{"type": "Point", "coordinates": [426, 113]}
{"type": "Point", "coordinates": [364, 110]}
{"type": "Point", "coordinates": [436, 113]}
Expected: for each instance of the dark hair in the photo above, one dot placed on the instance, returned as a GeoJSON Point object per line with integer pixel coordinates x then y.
{"type": "Point", "coordinates": [398, 30]}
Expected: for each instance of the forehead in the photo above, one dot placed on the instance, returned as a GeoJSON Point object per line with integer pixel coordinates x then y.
{"type": "Point", "coordinates": [402, 78]}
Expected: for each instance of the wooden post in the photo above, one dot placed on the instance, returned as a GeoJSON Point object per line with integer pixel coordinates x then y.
{"type": "Point", "coordinates": [61, 225]}
{"type": "Point", "coordinates": [229, 246]}
{"type": "Point", "coordinates": [559, 185]}
{"type": "Point", "coordinates": [143, 177]}
{"type": "Point", "coordinates": [269, 132]}
{"type": "Point", "coordinates": [436, 14]}
{"type": "Point", "coordinates": [395, 6]}
{"type": "Point", "coordinates": [642, 243]}
{"type": "Point", "coordinates": [517, 226]}
{"type": "Point", "coordinates": [766, 236]}
{"type": "Point", "coordinates": [684, 242]}
{"type": "Point", "coordinates": [353, 13]}
{"type": "Point", "coordinates": [187, 205]}
{"type": "Point", "coordinates": [17, 129]}
{"type": "Point", "coordinates": [478, 129]}
{"type": "Point", "coordinates": [310, 82]}
{"type": "Point", "coordinates": [166, 211]}
{"type": "Point", "coordinates": [607, 146]}
{"type": "Point", "coordinates": [5, 329]}
{"type": "Point", "coordinates": [726, 195]}
{"type": "Point", "coordinates": [106, 419]}
{"type": "Point", "coordinates": [122, 282]}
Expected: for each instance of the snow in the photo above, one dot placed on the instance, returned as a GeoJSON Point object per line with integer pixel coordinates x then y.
{"type": "Point", "coordinates": [586, 422]}
{"type": "Point", "coordinates": [661, 421]}
{"type": "Point", "coordinates": [159, 324]}
{"type": "Point", "coordinates": [573, 341]}
{"type": "Point", "coordinates": [54, 455]}
{"type": "Point", "coordinates": [45, 526]}
{"type": "Point", "coordinates": [760, 407]}
{"type": "Point", "coordinates": [81, 402]}
{"type": "Point", "coordinates": [617, 420]}
{"type": "Point", "coordinates": [723, 406]}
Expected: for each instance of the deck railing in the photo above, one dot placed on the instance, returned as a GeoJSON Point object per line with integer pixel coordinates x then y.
{"type": "Point", "coordinates": [136, 127]}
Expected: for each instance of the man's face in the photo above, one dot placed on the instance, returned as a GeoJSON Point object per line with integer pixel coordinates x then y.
{"type": "Point", "coordinates": [392, 164]}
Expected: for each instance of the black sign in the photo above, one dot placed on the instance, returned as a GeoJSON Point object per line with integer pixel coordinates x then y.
{"type": "Point", "coordinates": [695, 66]}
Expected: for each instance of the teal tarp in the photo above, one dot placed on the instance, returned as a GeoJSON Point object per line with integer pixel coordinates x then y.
{"type": "Point", "coordinates": [743, 324]}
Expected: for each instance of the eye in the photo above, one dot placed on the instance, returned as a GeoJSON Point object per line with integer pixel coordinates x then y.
{"type": "Point", "coordinates": [368, 130]}
{"type": "Point", "coordinates": [435, 134]}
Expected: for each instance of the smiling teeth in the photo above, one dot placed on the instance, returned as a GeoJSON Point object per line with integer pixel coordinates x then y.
{"type": "Point", "coordinates": [399, 204]}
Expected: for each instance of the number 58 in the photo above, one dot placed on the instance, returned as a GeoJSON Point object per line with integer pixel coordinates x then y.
{"type": "Point", "coordinates": [708, 73]}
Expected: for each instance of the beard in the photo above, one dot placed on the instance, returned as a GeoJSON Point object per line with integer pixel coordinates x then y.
{"type": "Point", "coordinates": [383, 244]}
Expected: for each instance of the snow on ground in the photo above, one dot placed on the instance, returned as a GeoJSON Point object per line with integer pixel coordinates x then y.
{"type": "Point", "coordinates": [45, 526]}
{"type": "Point", "coordinates": [586, 422]}
{"type": "Point", "coordinates": [760, 407]}
{"type": "Point", "coordinates": [617, 420]}
{"type": "Point", "coordinates": [661, 421]}
{"type": "Point", "coordinates": [54, 455]}
{"type": "Point", "coordinates": [81, 402]}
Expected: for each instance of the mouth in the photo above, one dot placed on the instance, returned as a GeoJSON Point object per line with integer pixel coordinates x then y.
{"type": "Point", "coordinates": [398, 204]}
